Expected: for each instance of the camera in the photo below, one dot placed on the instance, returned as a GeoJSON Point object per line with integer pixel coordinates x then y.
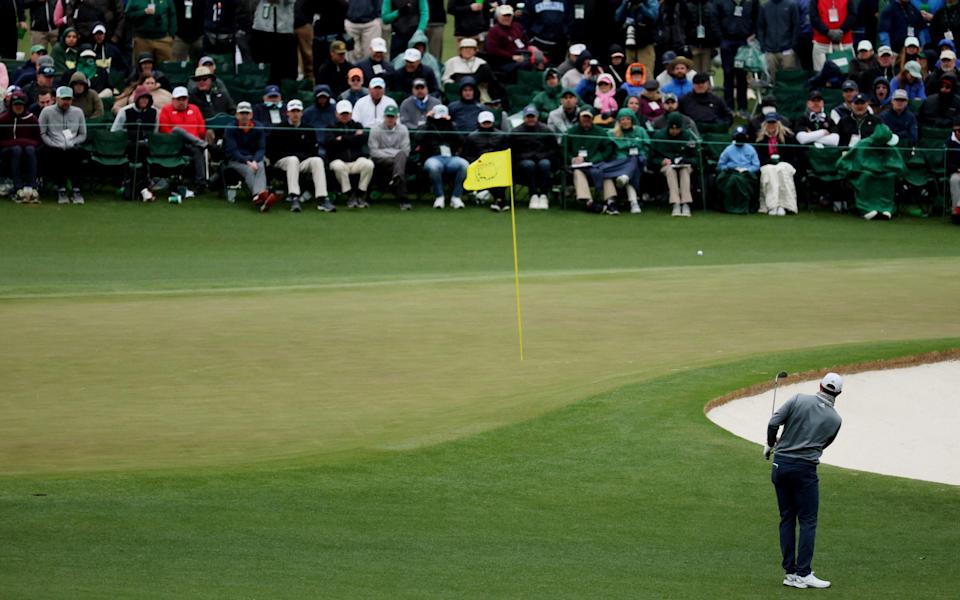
{"type": "Point", "coordinates": [594, 67]}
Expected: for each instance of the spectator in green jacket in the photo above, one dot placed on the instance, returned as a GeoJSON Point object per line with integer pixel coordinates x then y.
{"type": "Point", "coordinates": [405, 17]}
{"type": "Point", "coordinates": [66, 52]}
{"type": "Point", "coordinates": [632, 144]}
{"type": "Point", "coordinates": [586, 147]}
{"type": "Point", "coordinates": [548, 99]}
{"type": "Point", "coordinates": [673, 152]}
{"type": "Point", "coordinates": [154, 23]}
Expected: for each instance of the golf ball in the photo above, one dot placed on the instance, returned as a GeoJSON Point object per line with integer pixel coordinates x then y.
{"type": "Point", "coordinates": [699, 252]}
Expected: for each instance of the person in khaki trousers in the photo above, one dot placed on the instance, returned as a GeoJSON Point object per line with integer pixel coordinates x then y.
{"type": "Point", "coordinates": [154, 24]}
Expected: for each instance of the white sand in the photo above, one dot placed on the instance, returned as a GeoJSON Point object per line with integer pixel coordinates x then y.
{"type": "Point", "coordinates": [903, 422]}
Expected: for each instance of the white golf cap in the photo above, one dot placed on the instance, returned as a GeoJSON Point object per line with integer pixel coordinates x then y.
{"type": "Point", "coordinates": [913, 67]}
{"type": "Point", "coordinates": [577, 49]}
{"type": "Point", "coordinates": [949, 54]}
{"type": "Point", "coordinates": [885, 51]}
{"type": "Point", "coordinates": [485, 117]}
{"type": "Point", "coordinates": [99, 28]}
{"type": "Point", "coordinates": [412, 55]}
{"type": "Point", "coordinates": [377, 82]}
{"type": "Point", "coordinates": [294, 105]}
{"type": "Point", "coordinates": [864, 45]}
{"type": "Point", "coordinates": [344, 106]}
{"type": "Point", "coordinates": [441, 111]}
{"type": "Point", "coordinates": [244, 107]}
{"type": "Point", "coordinates": [504, 9]}
{"type": "Point", "coordinates": [180, 92]}
{"type": "Point", "coordinates": [832, 383]}
{"type": "Point", "coordinates": [468, 43]}
{"type": "Point", "coordinates": [378, 44]}
{"type": "Point", "coordinates": [911, 41]}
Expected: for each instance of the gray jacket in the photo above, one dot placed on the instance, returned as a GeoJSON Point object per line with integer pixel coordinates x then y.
{"type": "Point", "coordinates": [412, 116]}
{"type": "Point", "coordinates": [274, 17]}
{"type": "Point", "coordinates": [810, 424]}
{"type": "Point", "coordinates": [54, 122]}
{"type": "Point", "coordinates": [387, 143]}
{"type": "Point", "coordinates": [778, 25]}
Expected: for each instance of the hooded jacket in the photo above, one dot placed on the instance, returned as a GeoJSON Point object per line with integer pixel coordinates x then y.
{"type": "Point", "coordinates": [548, 98]}
{"type": "Point", "coordinates": [65, 57]}
{"type": "Point", "coordinates": [665, 147]}
{"type": "Point", "coordinates": [939, 110]}
{"type": "Point", "coordinates": [138, 122]}
{"type": "Point", "coordinates": [319, 117]}
{"type": "Point", "coordinates": [23, 130]}
{"type": "Point", "coordinates": [88, 101]}
{"type": "Point", "coordinates": [635, 137]}
{"type": "Point", "coordinates": [426, 58]}
{"type": "Point", "coordinates": [464, 112]}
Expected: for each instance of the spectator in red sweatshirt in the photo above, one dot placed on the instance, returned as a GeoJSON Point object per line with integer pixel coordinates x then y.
{"type": "Point", "coordinates": [185, 119]}
{"type": "Point", "coordinates": [506, 42]}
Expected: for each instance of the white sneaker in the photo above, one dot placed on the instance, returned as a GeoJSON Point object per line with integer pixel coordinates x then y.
{"type": "Point", "coordinates": [813, 581]}
{"type": "Point", "coordinates": [457, 203]}
{"type": "Point", "coordinates": [534, 202]}
{"type": "Point", "coordinates": [792, 580]}
{"type": "Point", "coordinates": [870, 215]}
{"type": "Point", "coordinates": [439, 202]}
{"type": "Point", "coordinates": [772, 212]}
{"type": "Point", "coordinates": [676, 211]}
{"type": "Point", "coordinates": [544, 202]}
{"type": "Point", "coordinates": [781, 212]}
{"type": "Point", "coordinates": [635, 208]}
{"type": "Point", "coordinates": [886, 215]}
{"type": "Point", "coordinates": [684, 210]}
{"type": "Point", "coordinates": [484, 196]}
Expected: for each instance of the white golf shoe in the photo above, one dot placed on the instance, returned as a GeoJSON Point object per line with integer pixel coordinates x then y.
{"type": "Point", "coordinates": [544, 202]}
{"type": "Point", "coordinates": [813, 581]}
{"type": "Point", "coordinates": [792, 580]}
{"type": "Point", "coordinates": [534, 202]}
{"type": "Point", "coordinates": [456, 203]}
{"type": "Point", "coordinates": [676, 211]}
{"type": "Point", "coordinates": [870, 215]}
{"type": "Point", "coordinates": [439, 202]}
{"type": "Point", "coordinates": [635, 208]}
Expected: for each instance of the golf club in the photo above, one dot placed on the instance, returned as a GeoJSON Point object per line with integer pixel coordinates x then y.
{"type": "Point", "coordinates": [776, 384]}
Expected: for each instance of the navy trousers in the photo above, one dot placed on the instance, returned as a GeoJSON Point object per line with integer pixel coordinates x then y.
{"type": "Point", "coordinates": [798, 496]}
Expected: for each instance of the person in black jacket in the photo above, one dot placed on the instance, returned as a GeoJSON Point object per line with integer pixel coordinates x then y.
{"type": "Point", "coordinates": [859, 124]}
{"type": "Point", "coordinates": [440, 143]}
{"type": "Point", "coordinates": [940, 109]}
{"type": "Point", "coordinates": [346, 150]}
{"type": "Point", "coordinates": [953, 166]}
{"type": "Point", "coordinates": [700, 34]}
{"type": "Point", "coordinates": [210, 101]}
{"type": "Point", "coordinates": [292, 148]}
{"type": "Point", "coordinates": [470, 18]}
{"type": "Point", "coordinates": [43, 32]}
{"type": "Point", "coordinates": [12, 17]}
{"type": "Point", "coordinates": [486, 138]}
{"type": "Point", "coordinates": [703, 106]}
{"type": "Point", "coordinates": [736, 23]}
{"type": "Point", "coordinates": [534, 148]}
{"type": "Point", "coordinates": [334, 71]}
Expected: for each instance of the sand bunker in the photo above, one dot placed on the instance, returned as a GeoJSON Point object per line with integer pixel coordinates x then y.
{"type": "Point", "coordinates": [902, 422]}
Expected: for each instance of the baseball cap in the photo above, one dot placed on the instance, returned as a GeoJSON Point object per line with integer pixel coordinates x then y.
{"type": "Point", "coordinates": [19, 99]}
{"type": "Point", "coordinates": [419, 81]}
{"type": "Point", "coordinates": [377, 82]}
{"type": "Point", "coordinates": [669, 96]}
{"type": "Point", "coordinates": [180, 92]}
{"type": "Point", "coordinates": [885, 51]}
{"type": "Point", "coordinates": [88, 54]}
{"type": "Point", "coordinates": [771, 118]}
{"type": "Point", "coordinates": [295, 104]}
{"type": "Point", "coordinates": [585, 111]}
{"type": "Point", "coordinates": [271, 90]}
{"type": "Point", "coordinates": [911, 41]}
{"type": "Point", "coordinates": [48, 71]}
{"type": "Point", "coordinates": [567, 92]}
{"type": "Point", "coordinates": [378, 44]}
{"type": "Point", "coordinates": [701, 78]}
{"type": "Point", "coordinates": [815, 95]}
{"type": "Point", "coordinates": [864, 45]}
{"type": "Point", "coordinates": [338, 47]}
{"type": "Point", "coordinates": [441, 111]}
{"type": "Point", "coordinates": [38, 48]}
{"type": "Point", "coordinates": [530, 111]}
{"type": "Point", "coordinates": [99, 28]}
{"type": "Point", "coordinates": [948, 54]}
{"type": "Point", "coordinates": [144, 57]}
{"type": "Point", "coordinates": [344, 106]}
{"type": "Point", "coordinates": [46, 61]}
{"type": "Point", "coordinates": [64, 92]}
{"type": "Point", "coordinates": [391, 111]}
{"type": "Point", "coordinates": [668, 56]}
{"type": "Point", "coordinates": [651, 85]}
{"type": "Point", "coordinates": [206, 60]}
{"type": "Point", "coordinates": [860, 99]}
{"type": "Point", "coordinates": [355, 72]}
{"type": "Point", "coordinates": [321, 90]}
{"type": "Point", "coordinates": [577, 49]}
{"type": "Point", "coordinates": [901, 94]}
{"type": "Point", "coordinates": [850, 85]}
{"type": "Point", "coordinates": [468, 43]}
{"type": "Point", "coordinates": [832, 383]}
{"type": "Point", "coordinates": [913, 67]}
{"type": "Point", "coordinates": [244, 107]}
{"type": "Point", "coordinates": [485, 117]}
{"type": "Point", "coordinates": [412, 55]}
{"type": "Point", "coordinates": [504, 9]}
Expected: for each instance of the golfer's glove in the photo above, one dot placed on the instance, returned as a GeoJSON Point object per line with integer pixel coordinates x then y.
{"type": "Point", "coordinates": [767, 450]}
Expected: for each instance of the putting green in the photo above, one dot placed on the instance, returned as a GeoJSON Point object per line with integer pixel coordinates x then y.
{"type": "Point", "coordinates": [127, 381]}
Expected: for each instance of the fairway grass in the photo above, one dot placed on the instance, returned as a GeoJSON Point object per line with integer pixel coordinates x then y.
{"type": "Point", "coordinates": [218, 403]}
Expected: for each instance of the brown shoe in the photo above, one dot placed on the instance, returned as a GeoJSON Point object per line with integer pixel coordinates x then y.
{"type": "Point", "coordinates": [270, 200]}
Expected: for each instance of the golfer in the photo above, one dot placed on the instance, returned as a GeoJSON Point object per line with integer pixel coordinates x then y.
{"type": "Point", "coordinates": [810, 424]}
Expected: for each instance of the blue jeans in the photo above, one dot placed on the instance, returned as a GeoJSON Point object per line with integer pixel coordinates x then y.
{"type": "Point", "coordinates": [436, 166]}
{"type": "Point", "coordinates": [798, 496]}
{"type": "Point", "coordinates": [23, 161]}
{"type": "Point", "coordinates": [535, 175]}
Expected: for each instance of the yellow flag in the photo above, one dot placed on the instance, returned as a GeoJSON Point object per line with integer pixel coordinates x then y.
{"type": "Point", "coordinates": [491, 170]}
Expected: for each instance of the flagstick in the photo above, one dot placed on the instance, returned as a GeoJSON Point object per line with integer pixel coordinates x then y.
{"type": "Point", "coordinates": [516, 268]}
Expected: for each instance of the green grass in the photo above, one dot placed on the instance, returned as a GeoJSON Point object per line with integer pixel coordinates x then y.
{"type": "Point", "coordinates": [218, 403]}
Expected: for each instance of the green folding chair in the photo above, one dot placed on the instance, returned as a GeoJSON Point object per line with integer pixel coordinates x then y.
{"type": "Point", "coordinates": [166, 153]}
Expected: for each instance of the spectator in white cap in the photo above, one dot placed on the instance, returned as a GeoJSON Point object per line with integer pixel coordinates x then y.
{"type": "Point", "coordinates": [364, 25]}
{"type": "Point", "coordinates": [412, 69]}
{"type": "Point", "coordinates": [911, 51]}
{"type": "Point", "coordinates": [377, 65]}
{"type": "Point", "coordinates": [108, 54]}
{"type": "Point", "coordinates": [389, 148]}
{"type": "Point", "coordinates": [63, 130]}
{"type": "Point", "coordinates": [245, 147]}
{"type": "Point", "coordinates": [293, 149]}
{"type": "Point", "coordinates": [368, 111]}
{"type": "Point", "coordinates": [898, 21]}
{"type": "Point", "coordinates": [910, 79]}
{"type": "Point", "coordinates": [573, 53]}
{"type": "Point", "coordinates": [465, 63]}
{"type": "Point", "coordinates": [414, 109]}
{"type": "Point", "coordinates": [899, 119]}
{"type": "Point", "coordinates": [885, 65]}
{"type": "Point", "coordinates": [185, 119]}
{"type": "Point", "coordinates": [947, 64]}
{"type": "Point", "coordinates": [864, 63]}
{"type": "Point", "coordinates": [346, 152]}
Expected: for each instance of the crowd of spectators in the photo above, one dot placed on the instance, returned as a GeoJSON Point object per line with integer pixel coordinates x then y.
{"type": "Point", "coordinates": [615, 97]}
